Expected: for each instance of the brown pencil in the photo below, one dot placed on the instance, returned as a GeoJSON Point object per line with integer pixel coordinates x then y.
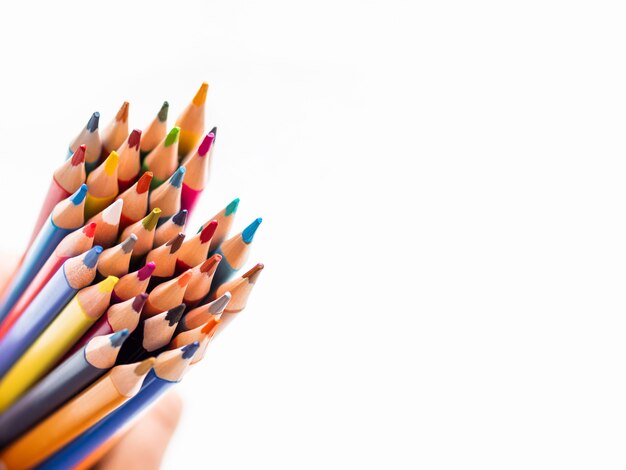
{"type": "Point", "coordinates": [165, 256]}
{"type": "Point", "coordinates": [117, 131]}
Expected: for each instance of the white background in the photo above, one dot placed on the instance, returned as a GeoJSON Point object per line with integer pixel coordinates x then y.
{"type": "Point", "coordinates": [442, 186]}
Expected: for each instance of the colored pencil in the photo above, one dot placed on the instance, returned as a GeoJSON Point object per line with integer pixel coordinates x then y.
{"type": "Point", "coordinates": [76, 273]}
{"type": "Point", "coordinates": [167, 295]}
{"type": "Point", "coordinates": [198, 167]}
{"type": "Point", "coordinates": [130, 162]}
{"type": "Point", "coordinates": [162, 161]}
{"type": "Point", "coordinates": [66, 216]}
{"type": "Point", "coordinates": [165, 257]}
{"type": "Point", "coordinates": [132, 284]}
{"type": "Point", "coordinates": [225, 219]}
{"type": "Point", "coordinates": [107, 224]}
{"type": "Point", "coordinates": [240, 290]}
{"type": "Point", "coordinates": [195, 250]}
{"type": "Point", "coordinates": [167, 196]}
{"type": "Point", "coordinates": [118, 317]}
{"type": "Point", "coordinates": [191, 122]}
{"type": "Point", "coordinates": [73, 321]}
{"type": "Point", "coordinates": [90, 138]}
{"type": "Point", "coordinates": [81, 369]}
{"type": "Point", "coordinates": [151, 335]}
{"type": "Point", "coordinates": [135, 201]}
{"type": "Point", "coordinates": [201, 335]}
{"type": "Point", "coordinates": [112, 390]}
{"type": "Point", "coordinates": [102, 184]}
{"type": "Point", "coordinates": [170, 227]}
{"type": "Point", "coordinates": [155, 132]}
{"type": "Point", "coordinates": [168, 369]}
{"type": "Point", "coordinates": [235, 252]}
{"type": "Point", "coordinates": [65, 181]}
{"type": "Point", "coordinates": [144, 229]}
{"type": "Point", "coordinates": [115, 261]}
{"type": "Point", "coordinates": [199, 316]}
{"type": "Point", "coordinates": [201, 279]}
{"type": "Point", "coordinates": [74, 244]}
{"type": "Point", "coordinates": [116, 132]}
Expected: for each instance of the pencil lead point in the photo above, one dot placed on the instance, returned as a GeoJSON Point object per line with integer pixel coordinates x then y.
{"type": "Point", "coordinates": [200, 97]}
{"type": "Point", "coordinates": [208, 231]}
{"type": "Point", "coordinates": [248, 234]}
{"type": "Point", "coordinates": [254, 273]}
{"type": "Point", "coordinates": [111, 215]}
{"type": "Point", "coordinates": [110, 164]}
{"type": "Point", "coordinates": [177, 178]}
{"type": "Point", "coordinates": [190, 349]}
{"type": "Point", "coordinates": [94, 120]}
{"type": "Point", "coordinates": [162, 115]}
{"type": "Point", "coordinates": [174, 314]}
{"type": "Point", "coordinates": [150, 221]}
{"type": "Point", "coordinates": [210, 265]}
{"type": "Point", "coordinates": [134, 138]}
{"type": "Point", "coordinates": [79, 156]}
{"type": "Point", "coordinates": [180, 218]}
{"type": "Point", "coordinates": [79, 196]}
{"type": "Point", "coordinates": [172, 136]}
{"type": "Point", "coordinates": [107, 284]}
{"type": "Point", "coordinates": [128, 244]}
{"type": "Point", "coordinates": [232, 207]}
{"type": "Point", "coordinates": [118, 338]}
{"type": "Point", "coordinates": [91, 257]}
{"type": "Point", "coordinates": [139, 302]}
{"type": "Point", "coordinates": [144, 366]}
{"type": "Point", "coordinates": [219, 304]}
{"type": "Point", "coordinates": [143, 184]}
{"type": "Point", "coordinates": [176, 242]}
{"type": "Point", "coordinates": [122, 114]}
{"type": "Point", "coordinates": [145, 272]}
{"type": "Point", "coordinates": [205, 146]}
{"type": "Point", "coordinates": [90, 230]}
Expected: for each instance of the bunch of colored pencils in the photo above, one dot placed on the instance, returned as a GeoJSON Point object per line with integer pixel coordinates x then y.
{"type": "Point", "coordinates": [112, 303]}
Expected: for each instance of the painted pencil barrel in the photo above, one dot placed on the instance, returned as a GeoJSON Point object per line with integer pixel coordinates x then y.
{"type": "Point", "coordinates": [189, 198]}
{"type": "Point", "coordinates": [69, 378]}
{"type": "Point", "coordinates": [37, 284]}
{"type": "Point", "coordinates": [44, 308]}
{"type": "Point", "coordinates": [41, 249]}
{"type": "Point", "coordinates": [55, 195]}
{"type": "Point", "coordinates": [44, 353]}
{"type": "Point", "coordinates": [80, 448]}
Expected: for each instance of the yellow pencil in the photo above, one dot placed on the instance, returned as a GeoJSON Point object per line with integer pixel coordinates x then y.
{"type": "Point", "coordinates": [102, 184]}
{"type": "Point", "coordinates": [67, 328]}
{"type": "Point", "coordinates": [76, 416]}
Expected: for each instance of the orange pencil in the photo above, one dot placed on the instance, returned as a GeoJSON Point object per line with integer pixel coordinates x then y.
{"type": "Point", "coordinates": [163, 160]}
{"type": "Point", "coordinates": [170, 228]}
{"type": "Point", "coordinates": [167, 196]}
{"type": "Point", "coordinates": [144, 229]}
{"type": "Point", "coordinates": [107, 224]}
{"type": "Point", "coordinates": [155, 132]}
{"type": "Point", "coordinates": [90, 137]}
{"type": "Point", "coordinates": [195, 250]}
{"type": "Point", "coordinates": [200, 283]}
{"type": "Point", "coordinates": [102, 184]}
{"type": "Point", "coordinates": [191, 122]}
{"type": "Point", "coordinates": [115, 388]}
{"type": "Point", "coordinates": [165, 256]}
{"type": "Point", "coordinates": [65, 181]}
{"type": "Point", "coordinates": [130, 162]}
{"type": "Point", "coordinates": [135, 201]}
{"type": "Point", "coordinates": [240, 290]}
{"type": "Point", "coordinates": [115, 261]}
{"type": "Point", "coordinates": [117, 131]}
{"type": "Point", "coordinates": [132, 284]}
{"type": "Point", "coordinates": [167, 295]}
{"type": "Point", "coordinates": [225, 219]}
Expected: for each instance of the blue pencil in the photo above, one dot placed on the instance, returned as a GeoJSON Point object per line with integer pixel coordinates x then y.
{"type": "Point", "coordinates": [168, 369]}
{"type": "Point", "coordinates": [75, 273]}
{"type": "Point", "coordinates": [66, 216]}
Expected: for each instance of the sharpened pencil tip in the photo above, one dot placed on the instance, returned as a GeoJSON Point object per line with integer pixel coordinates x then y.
{"type": "Point", "coordinates": [144, 366]}
{"type": "Point", "coordinates": [94, 120]}
{"type": "Point", "coordinates": [219, 304]}
{"type": "Point", "coordinates": [190, 349]}
{"type": "Point", "coordinates": [213, 131]}
{"type": "Point", "coordinates": [144, 182]}
{"type": "Point", "coordinates": [162, 115]}
{"type": "Point", "coordinates": [110, 164]}
{"type": "Point", "coordinates": [118, 338]}
{"type": "Point", "coordinates": [208, 232]}
{"type": "Point", "coordinates": [248, 234]}
{"type": "Point", "coordinates": [232, 207]}
{"type": "Point", "coordinates": [145, 272]}
{"type": "Point", "coordinates": [91, 257]}
{"type": "Point", "coordinates": [180, 218]}
{"type": "Point", "coordinates": [134, 138]}
{"type": "Point", "coordinates": [200, 97]}
{"type": "Point", "coordinates": [254, 273]}
{"type": "Point", "coordinates": [111, 215]}
{"type": "Point", "coordinates": [79, 196]}
{"type": "Point", "coordinates": [90, 229]}
{"type": "Point", "coordinates": [176, 242]}
{"type": "Point", "coordinates": [205, 146]}
{"type": "Point", "coordinates": [122, 114]}
{"type": "Point", "coordinates": [79, 155]}
{"type": "Point", "coordinates": [184, 278]}
{"type": "Point", "coordinates": [172, 136]}
{"type": "Point", "coordinates": [174, 314]}
{"type": "Point", "coordinates": [210, 265]}
{"type": "Point", "coordinates": [139, 302]}
{"type": "Point", "coordinates": [129, 243]}
{"type": "Point", "coordinates": [150, 221]}
{"type": "Point", "coordinates": [177, 178]}
{"type": "Point", "coordinates": [107, 284]}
